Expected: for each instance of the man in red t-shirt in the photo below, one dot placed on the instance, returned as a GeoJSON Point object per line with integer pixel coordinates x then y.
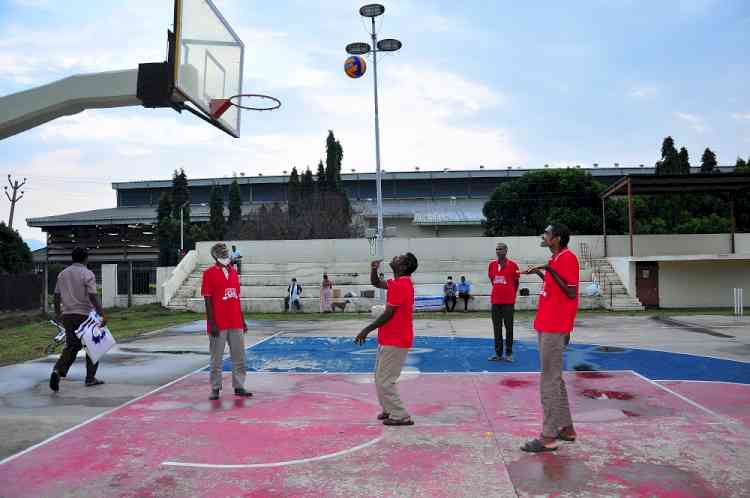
{"type": "Point", "coordinates": [224, 320]}
{"type": "Point", "coordinates": [504, 277]}
{"type": "Point", "coordinates": [395, 335]}
{"type": "Point", "coordinates": [558, 305]}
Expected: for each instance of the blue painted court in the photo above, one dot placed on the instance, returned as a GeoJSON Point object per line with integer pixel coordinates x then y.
{"type": "Point", "coordinates": [460, 354]}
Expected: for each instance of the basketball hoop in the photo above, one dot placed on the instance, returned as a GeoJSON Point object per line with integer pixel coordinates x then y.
{"type": "Point", "coordinates": [258, 102]}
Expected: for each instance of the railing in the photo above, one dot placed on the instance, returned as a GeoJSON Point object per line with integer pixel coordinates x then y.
{"type": "Point", "coordinates": [181, 273]}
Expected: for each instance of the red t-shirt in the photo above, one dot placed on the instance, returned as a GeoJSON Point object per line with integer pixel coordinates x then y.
{"type": "Point", "coordinates": [504, 281]}
{"type": "Point", "coordinates": [399, 330]}
{"type": "Point", "coordinates": [224, 292]}
{"type": "Point", "coordinates": [557, 312]}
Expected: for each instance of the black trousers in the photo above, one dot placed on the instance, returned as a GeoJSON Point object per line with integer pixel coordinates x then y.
{"type": "Point", "coordinates": [452, 300]}
{"type": "Point", "coordinates": [72, 346]}
{"type": "Point", "coordinates": [502, 314]}
{"type": "Point", "coordinates": [295, 303]}
{"type": "Point", "coordinates": [465, 296]}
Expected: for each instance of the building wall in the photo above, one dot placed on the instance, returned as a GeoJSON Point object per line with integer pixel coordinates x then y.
{"type": "Point", "coordinates": [625, 269]}
{"type": "Point", "coordinates": [356, 250]}
{"type": "Point", "coordinates": [686, 284]}
{"type": "Point", "coordinates": [673, 244]}
{"type": "Point", "coordinates": [469, 248]}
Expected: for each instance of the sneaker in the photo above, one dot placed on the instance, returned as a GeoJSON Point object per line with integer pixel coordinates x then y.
{"type": "Point", "coordinates": [494, 358]}
{"type": "Point", "coordinates": [242, 392]}
{"type": "Point", "coordinates": [94, 382]}
{"type": "Point", "coordinates": [214, 395]}
{"type": "Point", "coordinates": [54, 381]}
{"type": "Point", "coordinates": [509, 358]}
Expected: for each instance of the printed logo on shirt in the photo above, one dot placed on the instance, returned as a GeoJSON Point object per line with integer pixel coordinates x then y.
{"type": "Point", "coordinates": [230, 293]}
{"type": "Point", "coordinates": [500, 279]}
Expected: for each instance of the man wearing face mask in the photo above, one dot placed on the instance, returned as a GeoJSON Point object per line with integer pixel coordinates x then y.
{"type": "Point", "coordinates": [225, 323]}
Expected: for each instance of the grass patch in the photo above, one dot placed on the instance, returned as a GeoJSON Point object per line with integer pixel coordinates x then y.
{"type": "Point", "coordinates": [26, 341]}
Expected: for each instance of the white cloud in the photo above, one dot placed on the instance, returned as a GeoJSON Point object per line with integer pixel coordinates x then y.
{"type": "Point", "coordinates": [741, 115]}
{"type": "Point", "coordinates": [644, 92]}
{"type": "Point", "coordinates": [696, 122]}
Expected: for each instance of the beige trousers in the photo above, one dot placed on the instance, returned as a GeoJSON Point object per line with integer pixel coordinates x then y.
{"type": "Point", "coordinates": [216, 345]}
{"type": "Point", "coordinates": [554, 395]}
{"type": "Point", "coordinates": [388, 364]}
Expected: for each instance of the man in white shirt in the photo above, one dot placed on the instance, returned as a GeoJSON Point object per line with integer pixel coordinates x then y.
{"type": "Point", "coordinates": [293, 294]}
{"type": "Point", "coordinates": [236, 258]}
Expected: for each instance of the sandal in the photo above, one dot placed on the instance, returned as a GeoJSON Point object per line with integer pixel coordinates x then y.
{"type": "Point", "coordinates": [384, 416]}
{"type": "Point", "coordinates": [569, 437]}
{"type": "Point", "coordinates": [398, 421]}
{"type": "Point", "coordinates": [537, 446]}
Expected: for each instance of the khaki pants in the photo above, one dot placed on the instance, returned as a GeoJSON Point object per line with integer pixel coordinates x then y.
{"type": "Point", "coordinates": [216, 345]}
{"type": "Point", "coordinates": [388, 364]}
{"type": "Point", "coordinates": [554, 395]}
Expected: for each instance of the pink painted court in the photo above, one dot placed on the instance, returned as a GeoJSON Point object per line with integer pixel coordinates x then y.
{"type": "Point", "coordinates": [315, 434]}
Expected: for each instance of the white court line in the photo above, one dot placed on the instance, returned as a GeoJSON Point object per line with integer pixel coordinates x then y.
{"type": "Point", "coordinates": [292, 372]}
{"type": "Point", "coordinates": [729, 422]}
{"type": "Point", "coordinates": [705, 382]}
{"type": "Point", "coordinates": [61, 434]}
{"type": "Point", "coordinates": [276, 464]}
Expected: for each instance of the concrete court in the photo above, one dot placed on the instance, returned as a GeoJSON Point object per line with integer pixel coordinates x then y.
{"type": "Point", "coordinates": [30, 413]}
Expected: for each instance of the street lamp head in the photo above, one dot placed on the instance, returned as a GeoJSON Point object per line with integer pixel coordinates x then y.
{"type": "Point", "coordinates": [371, 10]}
{"type": "Point", "coordinates": [389, 45]}
{"type": "Point", "coordinates": [358, 48]}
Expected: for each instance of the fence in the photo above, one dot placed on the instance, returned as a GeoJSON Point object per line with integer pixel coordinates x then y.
{"type": "Point", "coordinates": [21, 292]}
{"type": "Point", "coordinates": [144, 279]}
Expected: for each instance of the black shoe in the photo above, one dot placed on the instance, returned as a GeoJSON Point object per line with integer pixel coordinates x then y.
{"type": "Point", "coordinates": [242, 392]}
{"type": "Point", "coordinates": [94, 382]}
{"type": "Point", "coordinates": [54, 381]}
{"type": "Point", "coordinates": [214, 395]}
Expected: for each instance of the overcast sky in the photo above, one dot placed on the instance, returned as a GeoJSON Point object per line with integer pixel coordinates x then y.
{"type": "Point", "coordinates": [501, 84]}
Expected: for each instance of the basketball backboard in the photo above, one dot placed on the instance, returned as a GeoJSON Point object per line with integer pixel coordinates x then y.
{"type": "Point", "coordinates": [208, 61]}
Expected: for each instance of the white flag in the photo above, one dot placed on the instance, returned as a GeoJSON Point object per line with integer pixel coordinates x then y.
{"type": "Point", "coordinates": [97, 339]}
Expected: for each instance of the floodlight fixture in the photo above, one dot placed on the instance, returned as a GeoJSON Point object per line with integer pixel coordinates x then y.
{"type": "Point", "coordinates": [371, 10]}
{"type": "Point", "coordinates": [358, 48]}
{"type": "Point", "coordinates": [389, 45]}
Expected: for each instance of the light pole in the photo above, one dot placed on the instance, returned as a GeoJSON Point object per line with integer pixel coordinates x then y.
{"type": "Point", "coordinates": [386, 45]}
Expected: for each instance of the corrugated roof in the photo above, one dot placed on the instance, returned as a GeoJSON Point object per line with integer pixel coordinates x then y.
{"type": "Point", "coordinates": [117, 216]}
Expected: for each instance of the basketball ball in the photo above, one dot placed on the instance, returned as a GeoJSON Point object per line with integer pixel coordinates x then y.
{"type": "Point", "coordinates": [355, 66]}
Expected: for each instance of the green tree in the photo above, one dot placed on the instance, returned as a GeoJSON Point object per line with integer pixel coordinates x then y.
{"type": "Point", "coordinates": [525, 206]}
{"type": "Point", "coordinates": [683, 162]}
{"type": "Point", "coordinates": [321, 180]}
{"type": "Point", "coordinates": [180, 195]}
{"type": "Point", "coordinates": [669, 163]}
{"type": "Point", "coordinates": [334, 157]}
{"type": "Point", "coordinates": [166, 231]}
{"type": "Point", "coordinates": [708, 162]}
{"type": "Point", "coordinates": [742, 166]}
{"type": "Point", "coordinates": [216, 222]}
{"type": "Point", "coordinates": [235, 205]}
{"type": "Point", "coordinates": [15, 255]}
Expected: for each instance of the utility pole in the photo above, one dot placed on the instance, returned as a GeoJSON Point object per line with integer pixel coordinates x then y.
{"type": "Point", "coordinates": [14, 198]}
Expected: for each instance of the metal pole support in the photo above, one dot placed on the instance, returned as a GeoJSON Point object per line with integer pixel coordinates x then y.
{"type": "Point", "coordinates": [739, 305]}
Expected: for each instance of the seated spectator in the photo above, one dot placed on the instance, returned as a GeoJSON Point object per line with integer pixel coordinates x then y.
{"type": "Point", "coordinates": [464, 292]}
{"type": "Point", "coordinates": [293, 295]}
{"type": "Point", "coordinates": [449, 295]}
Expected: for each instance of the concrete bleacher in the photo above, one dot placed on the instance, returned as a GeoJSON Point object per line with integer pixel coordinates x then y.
{"type": "Point", "coordinates": [264, 284]}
